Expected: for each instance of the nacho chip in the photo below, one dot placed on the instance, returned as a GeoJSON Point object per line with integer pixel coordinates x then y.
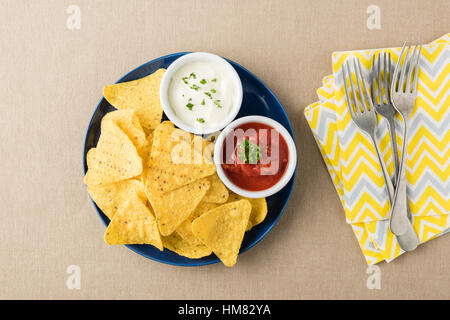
{"type": "Point", "coordinates": [115, 158]}
{"type": "Point", "coordinates": [166, 146]}
{"type": "Point", "coordinates": [142, 95]}
{"type": "Point", "coordinates": [133, 223]}
{"type": "Point", "coordinates": [129, 123]}
{"type": "Point", "coordinates": [203, 146]}
{"type": "Point", "coordinates": [185, 248]}
{"type": "Point", "coordinates": [162, 177]}
{"type": "Point", "coordinates": [174, 162]}
{"type": "Point", "coordinates": [110, 197]}
{"type": "Point", "coordinates": [165, 137]}
{"type": "Point", "coordinates": [222, 229]}
{"type": "Point", "coordinates": [185, 229]}
{"type": "Point", "coordinates": [146, 159]}
{"type": "Point", "coordinates": [217, 193]}
{"type": "Point", "coordinates": [259, 209]}
{"type": "Point", "coordinates": [173, 207]}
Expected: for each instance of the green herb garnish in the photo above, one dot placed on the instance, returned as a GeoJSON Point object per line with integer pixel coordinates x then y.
{"type": "Point", "coordinates": [201, 120]}
{"type": "Point", "coordinates": [214, 80]}
{"type": "Point", "coordinates": [208, 94]}
{"type": "Point", "coordinates": [213, 90]}
{"type": "Point", "coordinates": [217, 103]}
{"type": "Point", "coordinates": [203, 102]}
{"type": "Point", "coordinates": [189, 106]}
{"type": "Point", "coordinates": [185, 80]}
{"type": "Point", "coordinates": [248, 152]}
{"type": "Point", "coordinates": [194, 87]}
{"type": "Point", "coordinates": [192, 75]}
{"type": "Point", "coordinates": [203, 81]}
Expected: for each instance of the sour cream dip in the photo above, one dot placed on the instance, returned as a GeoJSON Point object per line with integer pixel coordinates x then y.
{"type": "Point", "coordinates": [202, 93]}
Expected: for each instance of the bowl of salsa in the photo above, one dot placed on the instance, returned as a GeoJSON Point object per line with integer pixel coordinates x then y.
{"type": "Point", "coordinates": [255, 156]}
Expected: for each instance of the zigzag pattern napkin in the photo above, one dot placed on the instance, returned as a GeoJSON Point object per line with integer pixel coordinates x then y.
{"type": "Point", "coordinates": [353, 166]}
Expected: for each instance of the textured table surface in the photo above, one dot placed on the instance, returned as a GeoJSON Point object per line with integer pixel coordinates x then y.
{"type": "Point", "coordinates": [52, 79]}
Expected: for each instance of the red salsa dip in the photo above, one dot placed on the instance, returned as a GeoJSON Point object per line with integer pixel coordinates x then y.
{"type": "Point", "coordinates": [254, 156]}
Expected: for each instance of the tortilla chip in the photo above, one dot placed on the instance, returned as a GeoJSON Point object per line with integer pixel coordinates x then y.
{"type": "Point", "coordinates": [142, 95]}
{"type": "Point", "coordinates": [185, 229]}
{"type": "Point", "coordinates": [203, 146]}
{"type": "Point", "coordinates": [173, 207]}
{"type": "Point", "coordinates": [109, 197]}
{"type": "Point", "coordinates": [167, 137]}
{"type": "Point", "coordinates": [129, 123]}
{"type": "Point", "coordinates": [185, 248]}
{"type": "Point", "coordinates": [217, 193]}
{"type": "Point", "coordinates": [222, 229]}
{"type": "Point", "coordinates": [174, 162]}
{"type": "Point", "coordinates": [133, 223]}
{"type": "Point", "coordinates": [259, 209]}
{"type": "Point", "coordinates": [146, 159]}
{"type": "Point", "coordinates": [115, 158]}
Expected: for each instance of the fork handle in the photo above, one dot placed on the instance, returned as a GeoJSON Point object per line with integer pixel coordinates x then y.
{"type": "Point", "coordinates": [409, 240]}
{"type": "Point", "coordinates": [392, 132]}
{"type": "Point", "coordinates": [387, 179]}
{"type": "Point", "coordinates": [399, 209]}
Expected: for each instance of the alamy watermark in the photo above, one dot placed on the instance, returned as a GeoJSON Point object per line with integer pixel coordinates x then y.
{"type": "Point", "coordinates": [73, 21]}
{"type": "Point", "coordinates": [374, 279]}
{"type": "Point", "coordinates": [250, 146]}
{"type": "Point", "coordinates": [374, 18]}
{"type": "Point", "coordinates": [73, 281]}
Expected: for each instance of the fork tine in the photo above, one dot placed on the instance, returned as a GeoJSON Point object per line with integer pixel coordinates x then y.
{"type": "Point", "coordinates": [349, 101]}
{"type": "Point", "coordinates": [363, 93]}
{"type": "Point", "coordinates": [358, 107]}
{"type": "Point", "coordinates": [401, 82]}
{"type": "Point", "coordinates": [388, 76]}
{"type": "Point", "coordinates": [374, 77]}
{"type": "Point", "coordinates": [366, 88]}
{"type": "Point", "coordinates": [416, 73]}
{"type": "Point", "coordinates": [380, 87]}
{"type": "Point", "coordinates": [358, 80]}
{"type": "Point", "coordinates": [397, 69]}
{"type": "Point", "coordinates": [410, 67]}
{"type": "Point", "coordinates": [386, 97]}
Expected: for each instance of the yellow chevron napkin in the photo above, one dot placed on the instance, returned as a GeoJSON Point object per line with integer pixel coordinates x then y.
{"type": "Point", "coordinates": [353, 165]}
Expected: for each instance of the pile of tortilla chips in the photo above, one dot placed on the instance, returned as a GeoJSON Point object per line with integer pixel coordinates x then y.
{"type": "Point", "coordinates": [158, 185]}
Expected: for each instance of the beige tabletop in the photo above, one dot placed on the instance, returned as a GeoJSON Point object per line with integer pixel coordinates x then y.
{"type": "Point", "coordinates": [52, 74]}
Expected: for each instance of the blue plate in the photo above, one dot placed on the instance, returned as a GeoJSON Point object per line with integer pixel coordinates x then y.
{"type": "Point", "coordinates": [258, 100]}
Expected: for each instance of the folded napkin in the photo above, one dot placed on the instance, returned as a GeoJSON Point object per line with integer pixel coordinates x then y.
{"type": "Point", "coordinates": [353, 165]}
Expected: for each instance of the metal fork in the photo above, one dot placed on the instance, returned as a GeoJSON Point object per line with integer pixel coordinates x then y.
{"type": "Point", "coordinates": [363, 113]}
{"type": "Point", "coordinates": [381, 75]}
{"type": "Point", "coordinates": [404, 93]}
{"type": "Point", "coordinates": [365, 118]}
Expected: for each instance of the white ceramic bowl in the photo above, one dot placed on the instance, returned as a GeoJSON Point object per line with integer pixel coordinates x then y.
{"type": "Point", "coordinates": [189, 58]}
{"type": "Point", "coordinates": [218, 149]}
